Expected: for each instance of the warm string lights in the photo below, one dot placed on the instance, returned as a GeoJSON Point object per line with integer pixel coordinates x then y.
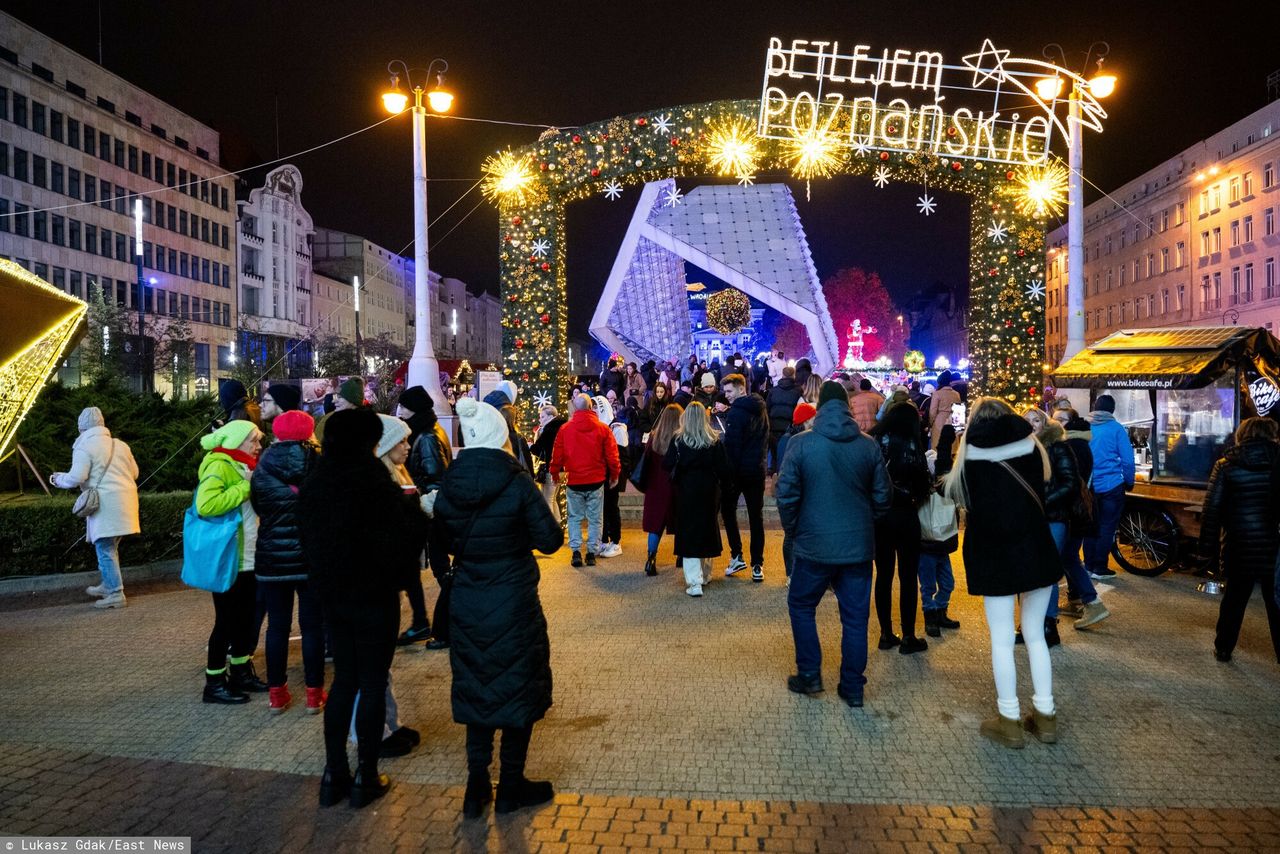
{"type": "Point", "coordinates": [728, 311]}
{"type": "Point", "coordinates": [532, 186]}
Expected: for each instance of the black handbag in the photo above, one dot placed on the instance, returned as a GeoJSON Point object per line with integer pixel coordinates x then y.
{"type": "Point", "coordinates": [639, 472]}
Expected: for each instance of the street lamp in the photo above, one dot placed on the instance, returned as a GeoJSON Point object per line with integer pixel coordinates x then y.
{"type": "Point", "coordinates": [1048, 89]}
{"type": "Point", "coordinates": [424, 370]}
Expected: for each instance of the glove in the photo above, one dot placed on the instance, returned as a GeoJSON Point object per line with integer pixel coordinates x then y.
{"type": "Point", "coordinates": [428, 502]}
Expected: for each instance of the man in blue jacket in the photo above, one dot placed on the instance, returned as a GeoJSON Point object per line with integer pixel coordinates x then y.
{"type": "Point", "coordinates": [832, 487]}
{"type": "Point", "coordinates": [1113, 476]}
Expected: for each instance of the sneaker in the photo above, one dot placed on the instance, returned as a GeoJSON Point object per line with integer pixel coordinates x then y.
{"type": "Point", "coordinates": [577, 559]}
{"type": "Point", "coordinates": [1073, 608]}
{"type": "Point", "coordinates": [279, 699]}
{"type": "Point", "coordinates": [1104, 574]}
{"type": "Point", "coordinates": [111, 600]}
{"type": "Point", "coordinates": [610, 550]}
{"type": "Point", "coordinates": [694, 590]}
{"type": "Point", "coordinates": [98, 590]}
{"type": "Point", "coordinates": [316, 698]}
{"type": "Point", "coordinates": [1094, 612]}
{"type": "Point", "coordinates": [736, 565]}
{"type": "Point", "coordinates": [757, 573]}
{"type": "Point", "coordinates": [414, 634]}
{"type": "Point", "coordinates": [591, 558]}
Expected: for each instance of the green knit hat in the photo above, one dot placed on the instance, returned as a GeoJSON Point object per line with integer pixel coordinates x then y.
{"type": "Point", "coordinates": [832, 390]}
{"type": "Point", "coordinates": [352, 391]}
{"type": "Point", "coordinates": [229, 435]}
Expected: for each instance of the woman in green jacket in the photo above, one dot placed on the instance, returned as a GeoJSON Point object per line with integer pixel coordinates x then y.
{"type": "Point", "coordinates": [223, 487]}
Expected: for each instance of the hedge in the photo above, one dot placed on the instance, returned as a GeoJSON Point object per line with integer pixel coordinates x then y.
{"type": "Point", "coordinates": [38, 536]}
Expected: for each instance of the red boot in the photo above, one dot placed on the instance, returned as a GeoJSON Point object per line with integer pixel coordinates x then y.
{"type": "Point", "coordinates": [279, 698]}
{"type": "Point", "coordinates": [316, 698]}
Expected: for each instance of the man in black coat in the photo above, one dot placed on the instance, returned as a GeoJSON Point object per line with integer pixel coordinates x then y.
{"type": "Point", "coordinates": [746, 441]}
{"type": "Point", "coordinates": [613, 380]}
{"type": "Point", "coordinates": [781, 404]}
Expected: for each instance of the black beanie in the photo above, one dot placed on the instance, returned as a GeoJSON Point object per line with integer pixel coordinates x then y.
{"type": "Point", "coordinates": [287, 397]}
{"type": "Point", "coordinates": [832, 391]}
{"type": "Point", "coordinates": [352, 432]}
{"type": "Point", "coordinates": [415, 399]}
{"type": "Point", "coordinates": [1105, 403]}
{"type": "Point", "coordinates": [231, 393]}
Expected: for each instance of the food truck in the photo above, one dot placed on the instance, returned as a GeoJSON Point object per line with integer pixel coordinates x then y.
{"type": "Point", "coordinates": [1182, 392]}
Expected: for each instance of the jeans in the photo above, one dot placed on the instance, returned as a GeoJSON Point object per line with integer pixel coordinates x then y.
{"type": "Point", "coordinates": [1234, 602]}
{"type": "Point", "coordinates": [108, 549]}
{"type": "Point", "coordinates": [1108, 506]}
{"type": "Point", "coordinates": [937, 581]}
{"type": "Point", "coordinates": [788, 554]}
{"type": "Point", "coordinates": [278, 597]}
{"type": "Point", "coordinates": [753, 490]}
{"type": "Point", "coordinates": [897, 535]}
{"type": "Point", "coordinates": [1059, 532]}
{"type": "Point", "coordinates": [588, 507]}
{"type": "Point", "coordinates": [362, 653]}
{"type": "Point", "coordinates": [233, 622]}
{"type": "Point", "coordinates": [852, 586]}
{"type": "Point", "coordinates": [549, 493]}
{"type": "Point", "coordinates": [1079, 583]}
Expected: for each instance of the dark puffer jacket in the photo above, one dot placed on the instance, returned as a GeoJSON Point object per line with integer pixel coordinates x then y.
{"type": "Point", "coordinates": [782, 401]}
{"type": "Point", "coordinates": [746, 436]}
{"type": "Point", "coordinates": [491, 518]}
{"type": "Point", "coordinates": [273, 491]}
{"type": "Point", "coordinates": [1062, 493]}
{"type": "Point", "coordinates": [429, 459]}
{"type": "Point", "coordinates": [1007, 545]}
{"type": "Point", "coordinates": [1242, 511]}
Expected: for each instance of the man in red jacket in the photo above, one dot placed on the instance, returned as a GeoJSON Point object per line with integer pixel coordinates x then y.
{"type": "Point", "coordinates": [587, 453]}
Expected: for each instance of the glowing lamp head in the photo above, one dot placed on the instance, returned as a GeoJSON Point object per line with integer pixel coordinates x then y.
{"type": "Point", "coordinates": [1102, 85]}
{"type": "Point", "coordinates": [395, 99]}
{"type": "Point", "coordinates": [1048, 88]}
{"type": "Point", "coordinates": [439, 99]}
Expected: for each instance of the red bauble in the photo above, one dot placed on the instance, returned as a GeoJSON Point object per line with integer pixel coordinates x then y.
{"type": "Point", "coordinates": [1031, 330]}
{"type": "Point", "coordinates": [1021, 252]}
{"type": "Point", "coordinates": [1032, 391]}
{"type": "Point", "coordinates": [533, 259]}
{"type": "Point", "coordinates": [1008, 361]}
{"type": "Point", "coordinates": [546, 265]}
{"type": "Point", "coordinates": [516, 322]}
{"type": "Point", "coordinates": [1008, 176]}
{"type": "Point", "coordinates": [642, 121]}
{"type": "Point", "coordinates": [884, 155]}
{"type": "Point", "coordinates": [543, 166]}
{"type": "Point", "coordinates": [595, 173]}
{"type": "Point", "coordinates": [524, 377]}
{"type": "Point", "coordinates": [519, 343]}
{"type": "Point", "coordinates": [951, 131]}
{"type": "Point", "coordinates": [511, 298]}
{"type": "Point", "coordinates": [576, 139]}
{"type": "Point", "coordinates": [1008, 323]}
{"type": "Point", "coordinates": [546, 318]}
{"type": "Point", "coordinates": [515, 220]}
{"type": "Point", "coordinates": [507, 238]}
{"type": "Point", "coordinates": [675, 142]}
{"type": "Point", "coordinates": [993, 271]}
{"type": "Point", "coordinates": [956, 165]}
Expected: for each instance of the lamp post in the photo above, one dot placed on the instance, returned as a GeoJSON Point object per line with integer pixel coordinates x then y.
{"type": "Point", "coordinates": [359, 343]}
{"type": "Point", "coordinates": [1049, 88]}
{"type": "Point", "coordinates": [424, 370]}
{"type": "Point", "coordinates": [145, 372]}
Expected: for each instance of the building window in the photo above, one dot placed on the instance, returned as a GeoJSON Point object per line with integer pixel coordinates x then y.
{"type": "Point", "coordinates": [1235, 286]}
{"type": "Point", "coordinates": [90, 140]}
{"type": "Point", "coordinates": [104, 243]}
{"type": "Point", "coordinates": [1180, 254]}
{"type": "Point", "coordinates": [1269, 277]}
{"type": "Point", "coordinates": [1204, 203]}
{"type": "Point", "coordinates": [56, 173]}
{"type": "Point", "coordinates": [1217, 290]}
{"type": "Point", "coordinates": [1216, 243]}
{"type": "Point", "coordinates": [133, 159]}
{"type": "Point", "coordinates": [38, 118]}
{"type": "Point", "coordinates": [121, 197]}
{"type": "Point", "coordinates": [1248, 229]}
{"type": "Point", "coordinates": [1235, 232]}
{"type": "Point", "coordinates": [59, 231]}
{"type": "Point", "coordinates": [41, 232]}
{"type": "Point", "coordinates": [1215, 197]}
{"type": "Point", "coordinates": [90, 238]}
{"type": "Point", "coordinates": [122, 248]}
{"type": "Point", "coordinates": [1164, 301]}
{"type": "Point", "coordinates": [104, 147]}
{"type": "Point", "coordinates": [1180, 214]}
{"type": "Point", "coordinates": [1204, 244]}
{"type": "Point", "coordinates": [1137, 269]}
{"type": "Point", "coordinates": [73, 233]}
{"type": "Point", "coordinates": [75, 284]}
{"type": "Point", "coordinates": [1233, 190]}
{"type": "Point", "coordinates": [20, 165]}
{"type": "Point", "coordinates": [1269, 222]}
{"type": "Point", "coordinates": [1164, 220]}
{"type": "Point", "coordinates": [1248, 283]}
{"type": "Point", "coordinates": [19, 110]}
{"type": "Point", "coordinates": [104, 194]}
{"type": "Point", "coordinates": [73, 183]}
{"type": "Point", "coordinates": [1204, 293]}
{"type": "Point", "coordinates": [39, 171]}
{"type": "Point", "coordinates": [1246, 185]}
{"type": "Point", "coordinates": [73, 133]}
{"type": "Point", "coordinates": [1182, 296]}
{"type": "Point", "coordinates": [184, 267]}
{"type": "Point", "coordinates": [119, 155]}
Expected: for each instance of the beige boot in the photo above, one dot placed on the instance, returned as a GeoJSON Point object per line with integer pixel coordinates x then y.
{"type": "Point", "coordinates": [1042, 727]}
{"type": "Point", "coordinates": [1006, 731]}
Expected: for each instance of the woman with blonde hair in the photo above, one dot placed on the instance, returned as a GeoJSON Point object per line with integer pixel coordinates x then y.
{"type": "Point", "coordinates": [659, 493]}
{"type": "Point", "coordinates": [1009, 554]}
{"type": "Point", "coordinates": [809, 391]}
{"type": "Point", "coordinates": [699, 467]}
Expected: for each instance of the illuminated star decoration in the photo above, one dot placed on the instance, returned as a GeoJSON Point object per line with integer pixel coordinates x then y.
{"type": "Point", "coordinates": [612, 190]}
{"type": "Point", "coordinates": [1042, 190]}
{"type": "Point", "coordinates": [662, 123]}
{"type": "Point", "coordinates": [541, 399]}
{"type": "Point", "coordinates": [998, 231]}
{"type": "Point", "coordinates": [672, 197]}
{"type": "Point", "coordinates": [926, 204]}
{"type": "Point", "coordinates": [812, 155]}
{"type": "Point", "coordinates": [861, 148]}
{"type": "Point", "coordinates": [1035, 290]}
{"type": "Point", "coordinates": [881, 177]}
{"type": "Point", "coordinates": [508, 178]}
{"type": "Point", "coordinates": [540, 248]}
{"type": "Point", "coordinates": [732, 149]}
{"type": "Point", "coordinates": [975, 61]}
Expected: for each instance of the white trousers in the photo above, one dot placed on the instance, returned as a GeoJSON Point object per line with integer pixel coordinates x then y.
{"type": "Point", "coordinates": [549, 490]}
{"type": "Point", "coordinates": [697, 571]}
{"type": "Point", "coordinates": [1000, 622]}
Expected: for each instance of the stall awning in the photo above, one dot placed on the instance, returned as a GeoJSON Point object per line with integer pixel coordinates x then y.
{"type": "Point", "coordinates": [1180, 357]}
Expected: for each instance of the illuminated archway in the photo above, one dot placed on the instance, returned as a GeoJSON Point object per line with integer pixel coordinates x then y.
{"type": "Point", "coordinates": [1000, 160]}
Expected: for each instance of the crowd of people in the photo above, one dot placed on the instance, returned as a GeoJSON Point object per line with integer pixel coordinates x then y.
{"type": "Point", "coordinates": [869, 488]}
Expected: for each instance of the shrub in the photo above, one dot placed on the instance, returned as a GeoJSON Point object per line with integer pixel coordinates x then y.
{"type": "Point", "coordinates": [39, 536]}
{"type": "Point", "coordinates": [163, 434]}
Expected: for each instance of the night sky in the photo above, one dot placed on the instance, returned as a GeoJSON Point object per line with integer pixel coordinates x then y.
{"type": "Point", "coordinates": [318, 67]}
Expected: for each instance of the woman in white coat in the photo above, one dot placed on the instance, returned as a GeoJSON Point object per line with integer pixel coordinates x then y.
{"type": "Point", "coordinates": [98, 460]}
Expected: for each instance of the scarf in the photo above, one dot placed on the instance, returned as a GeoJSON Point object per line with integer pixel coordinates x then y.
{"type": "Point", "coordinates": [240, 457]}
{"type": "Point", "coordinates": [1100, 416]}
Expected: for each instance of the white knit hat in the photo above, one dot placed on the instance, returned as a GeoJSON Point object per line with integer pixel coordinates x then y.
{"type": "Point", "coordinates": [393, 432]}
{"type": "Point", "coordinates": [708, 380]}
{"type": "Point", "coordinates": [508, 388]}
{"type": "Point", "coordinates": [90, 416]}
{"type": "Point", "coordinates": [604, 409]}
{"type": "Point", "coordinates": [482, 425]}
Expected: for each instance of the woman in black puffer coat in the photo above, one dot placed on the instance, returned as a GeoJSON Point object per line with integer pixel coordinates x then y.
{"type": "Point", "coordinates": [279, 561]}
{"type": "Point", "coordinates": [491, 516]}
{"type": "Point", "coordinates": [1239, 528]}
{"type": "Point", "coordinates": [362, 538]}
{"type": "Point", "coordinates": [1009, 554]}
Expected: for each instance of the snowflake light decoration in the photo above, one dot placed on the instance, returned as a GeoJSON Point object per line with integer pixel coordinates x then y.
{"type": "Point", "coordinates": [861, 148]}
{"type": "Point", "coordinates": [612, 190]}
{"type": "Point", "coordinates": [662, 124]}
{"type": "Point", "coordinates": [746, 180]}
{"type": "Point", "coordinates": [541, 399]}
{"type": "Point", "coordinates": [540, 248]}
{"type": "Point", "coordinates": [998, 231]}
{"type": "Point", "coordinates": [881, 176]}
{"type": "Point", "coordinates": [672, 197]}
{"type": "Point", "coordinates": [926, 204]}
{"type": "Point", "coordinates": [1035, 290]}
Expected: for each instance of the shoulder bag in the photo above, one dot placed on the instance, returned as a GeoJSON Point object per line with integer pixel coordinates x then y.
{"type": "Point", "coordinates": [1035, 495]}
{"type": "Point", "coordinates": [88, 501]}
{"type": "Point", "coordinates": [939, 520]}
{"type": "Point", "coordinates": [210, 549]}
{"type": "Point", "coordinates": [640, 470]}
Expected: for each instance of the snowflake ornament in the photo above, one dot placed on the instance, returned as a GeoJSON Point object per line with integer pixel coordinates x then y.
{"type": "Point", "coordinates": [926, 204]}
{"type": "Point", "coordinates": [662, 124]}
{"type": "Point", "coordinates": [540, 247]}
{"type": "Point", "coordinates": [612, 190]}
{"type": "Point", "coordinates": [881, 177]}
{"type": "Point", "coordinates": [998, 231]}
{"type": "Point", "coordinates": [746, 180]}
{"type": "Point", "coordinates": [541, 399]}
{"type": "Point", "coordinates": [1035, 290]}
{"type": "Point", "coordinates": [672, 197]}
{"type": "Point", "coordinates": [861, 148]}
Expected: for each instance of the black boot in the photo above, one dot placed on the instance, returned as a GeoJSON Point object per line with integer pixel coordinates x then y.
{"type": "Point", "coordinates": [1051, 636]}
{"type": "Point", "coordinates": [479, 792]}
{"type": "Point", "coordinates": [945, 621]}
{"type": "Point", "coordinates": [931, 624]}
{"type": "Point", "coordinates": [243, 678]}
{"type": "Point", "coordinates": [368, 785]}
{"type": "Point", "coordinates": [651, 565]}
{"type": "Point", "coordinates": [217, 690]}
{"type": "Point", "coordinates": [520, 792]}
{"type": "Point", "coordinates": [334, 786]}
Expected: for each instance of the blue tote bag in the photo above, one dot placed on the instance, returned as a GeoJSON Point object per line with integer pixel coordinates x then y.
{"type": "Point", "coordinates": [210, 549]}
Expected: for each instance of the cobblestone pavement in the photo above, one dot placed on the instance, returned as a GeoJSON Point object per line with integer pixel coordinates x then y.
{"type": "Point", "coordinates": [672, 729]}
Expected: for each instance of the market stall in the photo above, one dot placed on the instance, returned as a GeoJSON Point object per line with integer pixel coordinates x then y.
{"type": "Point", "coordinates": [1181, 392]}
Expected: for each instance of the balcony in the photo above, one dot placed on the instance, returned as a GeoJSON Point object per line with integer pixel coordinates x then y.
{"type": "Point", "coordinates": [250, 237]}
{"type": "Point", "coordinates": [249, 274]}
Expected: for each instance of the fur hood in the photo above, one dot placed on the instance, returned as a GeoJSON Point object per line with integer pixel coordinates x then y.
{"type": "Point", "coordinates": [996, 439]}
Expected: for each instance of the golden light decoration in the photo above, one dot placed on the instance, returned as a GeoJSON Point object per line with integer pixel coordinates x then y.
{"type": "Point", "coordinates": [733, 148]}
{"type": "Point", "coordinates": [1042, 190]}
{"type": "Point", "coordinates": [913, 361]}
{"type": "Point", "coordinates": [812, 155]}
{"type": "Point", "coordinates": [728, 310]}
{"type": "Point", "coordinates": [507, 178]}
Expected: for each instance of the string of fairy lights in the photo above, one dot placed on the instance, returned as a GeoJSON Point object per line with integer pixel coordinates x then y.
{"type": "Point", "coordinates": [532, 185]}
